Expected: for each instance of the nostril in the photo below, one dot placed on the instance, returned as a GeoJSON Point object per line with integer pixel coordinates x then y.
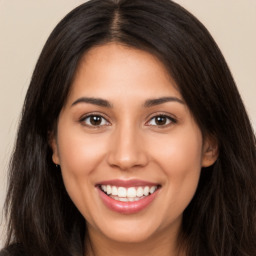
{"type": "Point", "coordinates": [126, 149]}
{"type": "Point", "coordinates": [127, 161]}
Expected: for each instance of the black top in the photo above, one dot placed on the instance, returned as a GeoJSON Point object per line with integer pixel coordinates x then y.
{"type": "Point", "coordinates": [17, 250]}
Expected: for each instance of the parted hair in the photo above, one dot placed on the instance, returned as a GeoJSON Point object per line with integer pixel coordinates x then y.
{"type": "Point", "coordinates": [221, 218]}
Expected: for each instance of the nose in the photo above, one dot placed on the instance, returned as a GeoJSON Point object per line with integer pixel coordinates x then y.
{"type": "Point", "coordinates": [127, 150]}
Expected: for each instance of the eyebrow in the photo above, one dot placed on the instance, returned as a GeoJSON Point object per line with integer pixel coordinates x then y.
{"type": "Point", "coordinates": [94, 101]}
{"type": "Point", "coordinates": [158, 101]}
{"type": "Point", "coordinates": [148, 103]}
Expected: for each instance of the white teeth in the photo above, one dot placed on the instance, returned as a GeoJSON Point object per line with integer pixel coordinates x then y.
{"type": "Point", "coordinates": [152, 189]}
{"type": "Point", "coordinates": [146, 191]}
{"type": "Point", "coordinates": [131, 194]}
{"type": "Point", "coordinates": [109, 190]}
{"type": "Point", "coordinates": [139, 192]}
{"type": "Point", "coordinates": [124, 199]}
{"type": "Point", "coordinates": [104, 188]}
{"type": "Point", "coordinates": [114, 191]}
{"type": "Point", "coordinates": [121, 192]}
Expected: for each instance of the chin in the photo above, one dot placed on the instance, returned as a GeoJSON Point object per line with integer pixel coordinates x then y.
{"type": "Point", "coordinates": [124, 236]}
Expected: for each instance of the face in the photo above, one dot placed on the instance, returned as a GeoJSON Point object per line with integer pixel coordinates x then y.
{"type": "Point", "coordinates": [129, 149]}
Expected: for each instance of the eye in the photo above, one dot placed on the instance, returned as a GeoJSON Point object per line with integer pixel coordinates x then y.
{"type": "Point", "coordinates": [161, 120]}
{"type": "Point", "coordinates": [94, 121]}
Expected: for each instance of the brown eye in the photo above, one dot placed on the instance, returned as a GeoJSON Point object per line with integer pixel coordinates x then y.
{"type": "Point", "coordinates": [161, 120]}
{"type": "Point", "coordinates": [95, 120]}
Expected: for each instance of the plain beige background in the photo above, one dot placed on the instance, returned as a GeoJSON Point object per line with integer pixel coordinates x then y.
{"type": "Point", "coordinates": [26, 24]}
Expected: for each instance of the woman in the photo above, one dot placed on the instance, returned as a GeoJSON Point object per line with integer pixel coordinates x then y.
{"type": "Point", "coordinates": [133, 141]}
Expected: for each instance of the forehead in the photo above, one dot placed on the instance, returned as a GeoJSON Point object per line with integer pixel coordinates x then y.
{"type": "Point", "coordinates": [112, 69]}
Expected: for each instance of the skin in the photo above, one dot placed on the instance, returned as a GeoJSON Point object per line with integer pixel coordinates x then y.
{"type": "Point", "coordinates": [129, 144]}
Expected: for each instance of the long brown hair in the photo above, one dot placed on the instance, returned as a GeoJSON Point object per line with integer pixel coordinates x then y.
{"type": "Point", "coordinates": [220, 220]}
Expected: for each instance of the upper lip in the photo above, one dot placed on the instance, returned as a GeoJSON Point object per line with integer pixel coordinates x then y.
{"type": "Point", "coordinates": [127, 183]}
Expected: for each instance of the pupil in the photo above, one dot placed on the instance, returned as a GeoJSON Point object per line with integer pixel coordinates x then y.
{"type": "Point", "coordinates": [95, 120]}
{"type": "Point", "coordinates": [161, 120]}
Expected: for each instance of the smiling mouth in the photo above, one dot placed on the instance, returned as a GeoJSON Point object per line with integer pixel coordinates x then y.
{"type": "Point", "coordinates": [129, 194]}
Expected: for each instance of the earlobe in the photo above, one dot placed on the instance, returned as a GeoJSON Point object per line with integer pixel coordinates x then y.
{"type": "Point", "coordinates": [210, 152]}
{"type": "Point", "coordinates": [55, 153]}
{"type": "Point", "coordinates": [54, 147]}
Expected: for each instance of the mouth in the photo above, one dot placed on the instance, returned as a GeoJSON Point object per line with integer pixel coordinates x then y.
{"type": "Point", "coordinates": [127, 197]}
{"type": "Point", "coordinates": [130, 194]}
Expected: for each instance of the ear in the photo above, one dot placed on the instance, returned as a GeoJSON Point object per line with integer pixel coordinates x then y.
{"type": "Point", "coordinates": [210, 151]}
{"type": "Point", "coordinates": [54, 146]}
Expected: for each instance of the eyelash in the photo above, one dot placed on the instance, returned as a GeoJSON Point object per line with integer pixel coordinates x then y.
{"type": "Point", "coordinates": [84, 118]}
{"type": "Point", "coordinates": [169, 119]}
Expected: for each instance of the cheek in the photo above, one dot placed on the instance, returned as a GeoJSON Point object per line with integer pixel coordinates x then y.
{"type": "Point", "coordinates": [180, 161]}
{"type": "Point", "coordinates": [178, 152]}
{"type": "Point", "coordinates": [77, 152]}
{"type": "Point", "coordinates": [183, 156]}
{"type": "Point", "coordinates": [78, 162]}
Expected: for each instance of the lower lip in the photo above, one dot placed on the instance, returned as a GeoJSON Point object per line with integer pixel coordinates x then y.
{"type": "Point", "coordinates": [127, 207]}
